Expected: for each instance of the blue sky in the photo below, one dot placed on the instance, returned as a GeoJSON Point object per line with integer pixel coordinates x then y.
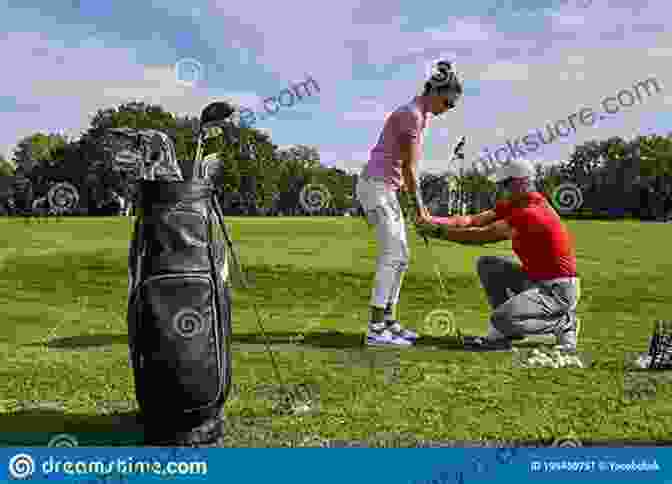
{"type": "Point", "coordinates": [524, 63]}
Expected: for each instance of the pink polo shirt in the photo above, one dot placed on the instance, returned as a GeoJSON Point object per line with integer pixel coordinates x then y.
{"type": "Point", "coordinates": [406, 123]}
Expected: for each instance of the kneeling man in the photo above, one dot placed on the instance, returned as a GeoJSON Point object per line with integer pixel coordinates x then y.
{"type": "Point", "coordinates": [538, 296]}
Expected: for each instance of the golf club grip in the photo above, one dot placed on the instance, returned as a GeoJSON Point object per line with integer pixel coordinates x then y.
{"type": "Point", "coordinates": [449, 221]}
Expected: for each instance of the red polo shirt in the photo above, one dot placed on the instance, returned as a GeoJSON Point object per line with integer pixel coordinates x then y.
{"type": "Point", "coordinates": [540, 239]}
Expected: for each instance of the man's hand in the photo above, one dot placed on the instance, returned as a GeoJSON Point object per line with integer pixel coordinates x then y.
{"type": "Point", "coordinates": [423, 216]}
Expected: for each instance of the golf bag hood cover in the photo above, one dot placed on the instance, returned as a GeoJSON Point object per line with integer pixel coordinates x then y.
{"type": "Point", "coordinates": [179, 308]}
{"type": "Point", "coordinates": [145, 154]}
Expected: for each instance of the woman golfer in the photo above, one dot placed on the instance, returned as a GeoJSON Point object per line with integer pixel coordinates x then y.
{"type": "Point", "coordinates": [393, 166]}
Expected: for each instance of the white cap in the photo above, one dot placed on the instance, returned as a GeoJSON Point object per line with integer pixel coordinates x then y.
{"type": "Point", "coordinates": [514, 169]}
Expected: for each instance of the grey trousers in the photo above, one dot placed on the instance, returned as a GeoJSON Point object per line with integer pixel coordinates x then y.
{"type": "Point", "coordinates": [522, 307]}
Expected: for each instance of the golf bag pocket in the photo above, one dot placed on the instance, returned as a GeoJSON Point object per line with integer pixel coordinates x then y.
{"type": "Point", "coordinates": [179, 342]}
{"type": "Point", "coordinates": [179, 311]}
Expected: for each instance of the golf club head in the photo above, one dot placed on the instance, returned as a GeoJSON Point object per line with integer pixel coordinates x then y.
{"type": "Point", "coordinates": [215, 121]}
{"type": "Point", "coordinates": [148, 153]}
{"type": "Point", "coordinates": [217, 112]}
{"type": "Point", "coordinates": [458, 151]}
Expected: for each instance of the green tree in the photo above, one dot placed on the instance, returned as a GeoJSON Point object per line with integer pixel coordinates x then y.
{"type": "Point", "coordinates": [306, 156]}
{"type": "Point", "coordinates": [36, 149]}
{"type": "Point", "coordinates": [6, 167]}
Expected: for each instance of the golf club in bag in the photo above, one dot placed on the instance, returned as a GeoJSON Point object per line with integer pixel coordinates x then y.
{"type": "Point", "coordinates": [215, 122]}
{"type": "Point", "coordinates": [179, 311]}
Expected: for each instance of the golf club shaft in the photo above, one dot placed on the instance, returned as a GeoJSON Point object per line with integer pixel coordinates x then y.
{"type": "Point", "coordinates": [239, 268]}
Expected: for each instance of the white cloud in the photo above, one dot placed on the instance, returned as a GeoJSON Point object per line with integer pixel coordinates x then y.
{"type": "Point", "coordinates": [549, 72]}
{"type": "Point", "coordinates": [570, 20]}
{"type": "Point", "coordinates": [659, 52]}
{"type": "Point", "coordinates": [461, 29]}
{"type": "Point", "coordinates": [506, 71]}
{"type": "Point", "coordinates": [576, 60]}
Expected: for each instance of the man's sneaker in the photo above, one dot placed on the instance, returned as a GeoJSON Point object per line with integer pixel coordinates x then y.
{"type": "Point", "coordinates": [567, 337]}
{"type": "Point", "coordinates": [480, 343]}
{"type": "Point", "coordinates": [385, 337]}
{"type": "Point", "coordinates": [396, 329]}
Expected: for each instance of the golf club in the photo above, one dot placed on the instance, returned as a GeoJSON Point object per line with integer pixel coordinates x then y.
{"type": "Point", "coordinates": [216, 115]}
{"type": "Point", "coordinates": [457, 154]}
{"type": "Point", "coordinates": [214, 122]}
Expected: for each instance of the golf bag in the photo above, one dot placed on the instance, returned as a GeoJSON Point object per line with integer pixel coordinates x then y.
{"type": "Point", "coordinates": [179, 312]}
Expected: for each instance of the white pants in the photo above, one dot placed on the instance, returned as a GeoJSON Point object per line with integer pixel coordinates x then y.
{"type": "Point", "coordinates": [383, 211]}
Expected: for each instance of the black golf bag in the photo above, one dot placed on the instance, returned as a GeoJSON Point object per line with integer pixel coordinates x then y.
{"type": "Point", "coordinates": [179, 312]}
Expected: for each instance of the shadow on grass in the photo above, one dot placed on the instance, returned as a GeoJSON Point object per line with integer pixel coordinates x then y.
{"type": "Point", "coordinates": [38, 427]}
{"type": "Point", "coordinates": [288, 339]}
{"type": "Point", "coordinates": [84, 341]}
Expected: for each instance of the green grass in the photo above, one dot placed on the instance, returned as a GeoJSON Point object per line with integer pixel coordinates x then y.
{"type": "Point", "coordinates": [63, 342]}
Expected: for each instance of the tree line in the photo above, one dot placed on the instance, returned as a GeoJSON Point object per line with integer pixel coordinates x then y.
{"type": "Point", "coordinates": [615, 176]}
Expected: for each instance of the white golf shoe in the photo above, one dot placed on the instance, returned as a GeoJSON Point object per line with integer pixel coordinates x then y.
{"type": "Point", "coordinates": [385, 337]}
{"type": "Point", "coordinates": [397, 329]}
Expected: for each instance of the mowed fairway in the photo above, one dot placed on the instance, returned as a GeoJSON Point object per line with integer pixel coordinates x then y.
{"type": "Point", "coordinates": [64, 354]}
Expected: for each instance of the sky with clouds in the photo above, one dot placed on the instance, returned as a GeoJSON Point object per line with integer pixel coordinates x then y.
{"type": "Point", "coordinates": [524, 63]}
